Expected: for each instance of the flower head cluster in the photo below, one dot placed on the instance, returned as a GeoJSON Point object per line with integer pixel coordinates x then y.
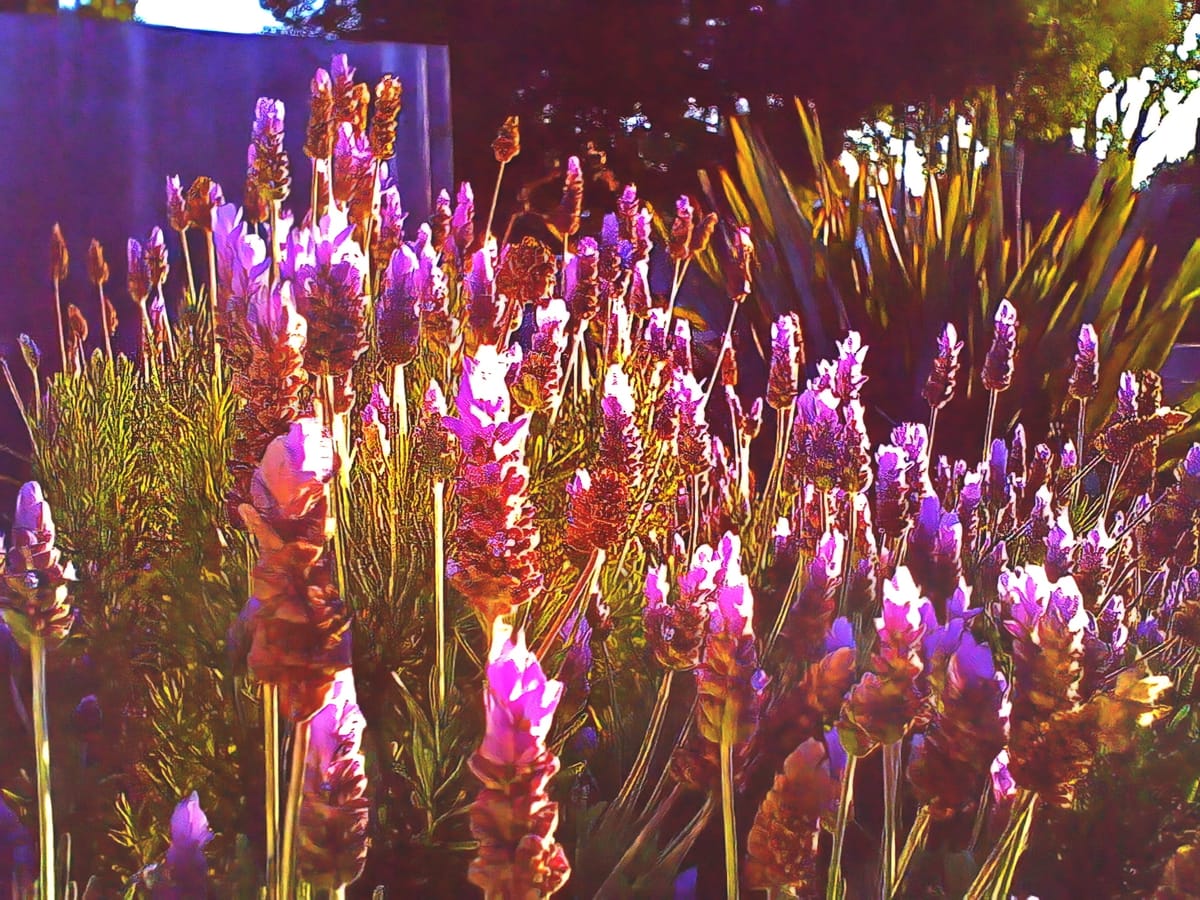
{"type": "Point", "coordinates": [334, 809]}
{"type": "Point", "coordinates": [397, 311]}
{"type": "Point", "coordinates": [33, 595]}
{"type": "Point", "coordinates": [882, 706]}
{"type": "Point", "coordinates": [998, 364]}
{"type": "Point", "coordinates": [184, 872]}
{"type": "Point", "coordinates": [268, 179]}
{"type": "Point", "coordinates": [512, 817]}
{"type": "Point", "coordinates": [328, 276]}
{"type": "Point", "coordinates": [537, 382]}
{"type": "Point", "coordinates": [1086, 374]}
{"type": "Point", "coordinates": [300, 637]}
{"type": "Point", "coordinates": [271, 381]}
{"type": "Point", "coordinates": [492, 556]}
{"type": "Point", "coordinates": [939, 388]}
{"type": "Point", "coordinates": [969, 728]}
{"type": "Point", "coordinates": [782, 847]}
{"type": "Point", "coordinates": [787, 357]}
{"type": "Point", "coordinates": [434, 446]}
{"type": "Point", "coordinates": [729, 683]}
{"type": "Point", "coordinates": [318, 138]}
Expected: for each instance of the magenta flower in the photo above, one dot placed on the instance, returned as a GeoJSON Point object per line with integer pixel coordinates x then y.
{"type": "Point", "coordinates": [844, 378]}
{"type": "Point", "coordinates": [519, 702]}
{"type": "Point", "coordinates": [939, 387]}
{"type": "Point", "coordinates": [882, 706]}
{"type": "Point", "coordinates": [492, 555]}
{"type": "Point", "coordinates": [390, 231]}
{"type": "Point", "coordinates": [621, 447]}
{"type": "Point", "coordinates": [513, 817]}
{"type": "Point", "coordinates": [462, 224]}
{"type": "Point", "coordinates": [676, 622]}
{"type": "Point", "coordinates": [295, 470]}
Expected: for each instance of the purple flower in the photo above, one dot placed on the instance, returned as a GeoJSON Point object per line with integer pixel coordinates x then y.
{"type": "Point", "coordinates": [334, 809]}
{"type": "Point", "coordinates": [1188, 474]}
{"type": "Point", "coordinates": [397, 311]}
{"type": "Point", "coordinates": [783, 379]}
{"type": "Point", "coordinates": [1084, 377]}
{"type": "Point", "coordinates": [998, 364]}
{"type": "Point", "coordinates": [176, 205]}
{"type": "Point", "coordinates": [185, 872]}
{"type": "Point", "coordinates": [840, 634]}
{"type": "Point", "coordinates": [935, 550]}
{"type": "Point", "coordinates": [32, 518]}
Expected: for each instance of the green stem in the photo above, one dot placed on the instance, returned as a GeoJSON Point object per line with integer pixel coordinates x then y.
{"type": "Point", "coordinates": [187, 265]}
{"type": "Point", "coordinates": [991, 422]}
{"type": "Point", "coordinates": [62, 341]}
{"type": "Point", "coordinates": [785, 607]}
{"type": "Point", "coordinates": [1081, 443]}
{"type": "Point", "coordinates": [835, 889]}
{"type": "Point", "coordinates": [892, 755]}
{"type": "Point", "coordinates": [439, 591]}
{"type": "Point", "coordinates": [400, 404]}
{"type": "Point", "coordinates": [650, 828]}
{"type": "Point", "coordinates": [104, 324]}
{"type": "Point", "coordinates": [291, 820]}
{"type": "Point", "coordinates": [273, 237]}
{"type": "Point", "coordinates": [996, 876]}
{"type": "Point", "coordinates": [637, 775]}
{"type": "Point", "coordinates": [933, 417]}
{"type": "Point", "coordinates": [218, 378]}
{"type": "Point", "coordinates": [41, 738]}
{"type": "Point", "coordinates": [336, 495]}
{"type": "Point", "coordinates": [729, 823]}
{"type": "Point", "coordinates": [726, 339]}
{"type": "Point", "coordinates": [167, 327]}
{"type": "Point", "coordinates": [848, 567]}
{"type": "Point", "coordinates": [913, 844]}
{"type": "Point", "coordinates": [487, 228]}
{"type": "Point", "coordinates": [270, 703]}
{"type": "Point", "coordinates": [985, 797]}
{"type": "Point", "coordinates": [578, 595]}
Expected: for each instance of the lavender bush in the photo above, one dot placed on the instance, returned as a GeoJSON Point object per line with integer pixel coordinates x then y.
{"type": "Point", "coordinates": [427, 560]}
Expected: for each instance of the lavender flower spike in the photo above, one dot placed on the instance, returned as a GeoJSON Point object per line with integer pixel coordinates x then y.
{"type": "Point", "coordinates": [185, 872]}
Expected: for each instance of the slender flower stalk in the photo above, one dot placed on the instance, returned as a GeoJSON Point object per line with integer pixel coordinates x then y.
{"type": "Point", "coordinates": [434, 448]}
{"type": "Point", "coordinates": [41, 741]}
{"type": "Point", "coordinates": [98, 273]}
{"type": "Point", "coordinates": [506, 146]}
{"type": "Point", "coordinates": [59, 264]}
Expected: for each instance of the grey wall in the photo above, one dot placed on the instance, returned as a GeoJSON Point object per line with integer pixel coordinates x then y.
{"type": "Point", "coordinates": [95, 115]}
